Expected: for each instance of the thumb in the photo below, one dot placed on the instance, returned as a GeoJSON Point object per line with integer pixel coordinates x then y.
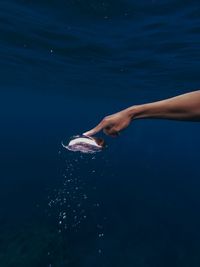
{"type": "Point", "coordinates": [95, 130]}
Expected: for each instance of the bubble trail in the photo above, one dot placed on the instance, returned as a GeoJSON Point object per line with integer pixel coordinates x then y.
{"type": "Point", "coordinates": [73, 202]}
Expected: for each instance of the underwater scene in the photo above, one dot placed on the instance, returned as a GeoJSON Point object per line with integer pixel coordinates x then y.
{"type": "Point", "coordinates": [133, 200]}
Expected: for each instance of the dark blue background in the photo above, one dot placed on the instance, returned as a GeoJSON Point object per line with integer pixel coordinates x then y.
{"type": "Point", "coordinates": [64, 66]}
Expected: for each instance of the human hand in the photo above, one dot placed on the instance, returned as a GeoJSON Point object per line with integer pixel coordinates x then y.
{"type": "Point", "coordinates": [113, 124]}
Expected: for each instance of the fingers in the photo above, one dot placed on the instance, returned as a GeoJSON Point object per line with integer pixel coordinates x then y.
{"type": "Point", "coordinates": [107, 130]}
{"type": "Point", "coordinates": [95, 130]}
{"type": "Point", "coordinates": [111, 132]}
{"type": "Point", "coordinates": [107, 126]}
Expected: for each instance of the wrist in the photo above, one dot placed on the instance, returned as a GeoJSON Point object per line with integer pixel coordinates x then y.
{"type": "Point", "coordinates": [136, 112]}
{"type": "Point", "coordinates": [150, 110]}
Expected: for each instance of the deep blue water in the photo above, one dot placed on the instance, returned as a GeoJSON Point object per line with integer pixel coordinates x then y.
{"type": "Point", "coordinates": [64, 65]}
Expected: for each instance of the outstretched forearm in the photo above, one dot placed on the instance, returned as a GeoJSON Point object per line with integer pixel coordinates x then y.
{"type": "Point", "coordinates": [182, 107]}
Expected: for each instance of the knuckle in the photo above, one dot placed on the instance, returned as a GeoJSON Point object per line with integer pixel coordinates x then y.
{"type": "Point", "coordinates": [114, 129]}
{"type": "Point", "coordinates": [105, 120]}
{"type": "Point", "coordinates": [117, 129]}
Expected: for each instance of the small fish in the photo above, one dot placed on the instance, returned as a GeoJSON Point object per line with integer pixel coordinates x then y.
{"type": "Point", "coordinates": [85, 144]}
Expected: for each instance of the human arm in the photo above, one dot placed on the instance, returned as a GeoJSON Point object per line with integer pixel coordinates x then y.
{"type": "Point", "coordinates": [183, 107]}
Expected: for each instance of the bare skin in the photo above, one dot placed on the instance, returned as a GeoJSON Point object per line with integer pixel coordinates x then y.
{"type": "Point", "coordinates": [184, 107]}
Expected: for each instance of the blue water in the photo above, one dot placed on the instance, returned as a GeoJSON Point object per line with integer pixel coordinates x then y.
{"type": "Point", "coordinates": [64, 66]}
